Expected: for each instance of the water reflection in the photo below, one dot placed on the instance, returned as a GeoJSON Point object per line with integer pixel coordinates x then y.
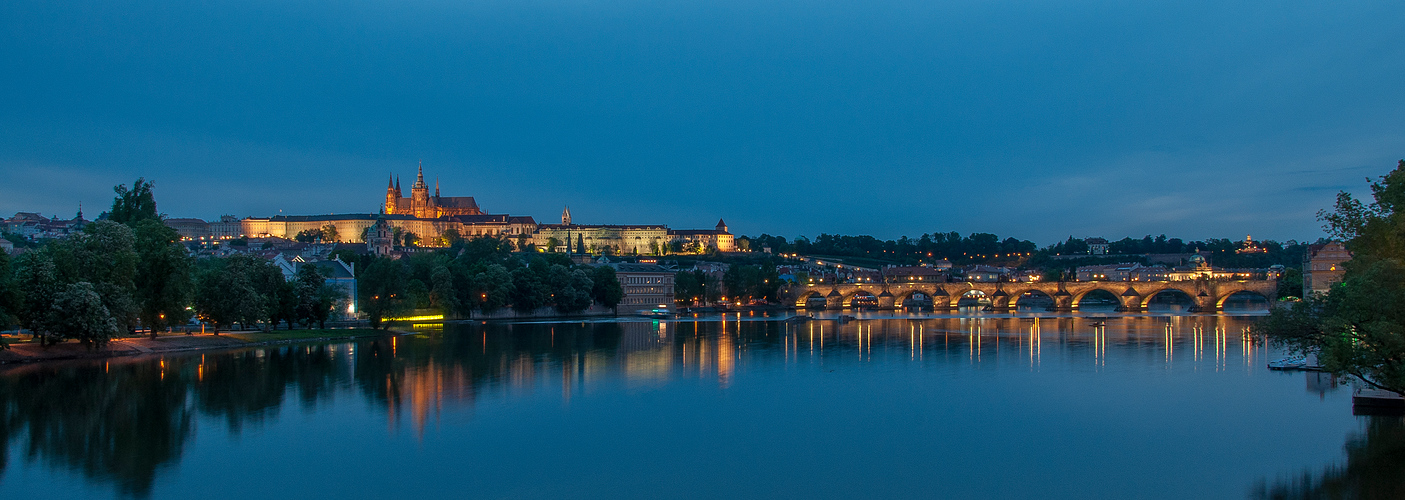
{"type": "Point", "coordinates": [1374, 468]}
{"type": "Point", "coordinates": [124, 421]}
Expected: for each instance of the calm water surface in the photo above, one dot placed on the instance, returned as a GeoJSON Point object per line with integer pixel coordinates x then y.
{"type": "Point", "coordinates": [1147, 406]}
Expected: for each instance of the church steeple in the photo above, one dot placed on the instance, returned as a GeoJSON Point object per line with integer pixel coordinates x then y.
{"type": "Point", "coordinates": [397, 187]}
{"type": "Point", "coordinates": [436, 187]}
{"type": "Point", "coordinates": [419, 179]}
{"type": "Point", "coordinates": [566, 216]}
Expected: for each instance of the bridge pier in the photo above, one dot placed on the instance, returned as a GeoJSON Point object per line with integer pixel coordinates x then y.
{"type": "Point", "coordinates": [885, 300]}
{"type": "Point", "coordinates": [1205, 303]}
{"type": "Point", "coordinates": [1130, 301]}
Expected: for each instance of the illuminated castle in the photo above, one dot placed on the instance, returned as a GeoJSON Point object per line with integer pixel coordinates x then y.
{"type": "Point", "coordinates": [420, 204]}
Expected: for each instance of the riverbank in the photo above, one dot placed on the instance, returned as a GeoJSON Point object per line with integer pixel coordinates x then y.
{"type": "Point", "coordinates": [24, 351]}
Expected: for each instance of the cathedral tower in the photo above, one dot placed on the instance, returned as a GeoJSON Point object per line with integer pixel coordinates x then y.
{"type": "Point", "coordinates": [419, 197]}
{"type": "Point", "coordinates": [391, 197]}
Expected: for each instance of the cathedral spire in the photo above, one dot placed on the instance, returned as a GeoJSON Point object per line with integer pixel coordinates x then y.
{"type": "Point", "coordinates": [397, 187]}
{"type": "Point", "coordinates": [419, 179]}
{"type": "Point", "coordinates": [390, 184]}
{"type": "Point", "coordinates": [436, 187]}
{"type": "Point", "coordinates": [566, 216]}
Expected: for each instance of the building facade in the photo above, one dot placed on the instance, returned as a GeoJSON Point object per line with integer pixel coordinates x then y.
{"type": "Point", "coordinates": [646, 287]}
{"type": "Point", "coordinates": [1322, 267]}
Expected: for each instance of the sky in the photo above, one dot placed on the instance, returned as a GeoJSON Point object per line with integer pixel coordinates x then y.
{"type": "Point", "coordinates": [1033, 119]}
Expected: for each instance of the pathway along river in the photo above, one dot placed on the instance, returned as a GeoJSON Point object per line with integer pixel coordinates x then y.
{"type": "Point", "coordinates": [890, 405]}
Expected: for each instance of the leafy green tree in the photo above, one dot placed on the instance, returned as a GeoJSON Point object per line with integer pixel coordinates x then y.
{"type": "Point", "coordinates": [133, 205]}
{"type": "Point", "coordinates": [329, 233]}
{"type": "Point", "coordinates": [495, 288]}
{"type": "Point", "coordinates": [529, 288]}
{"type": "Point", "coordinates": [410, 239]}
{"type": "Point", "coordinates": [687, 287]}
{"type": "Point", "coordinates": [225, 295]}
{"type": "Point", "coordinates": [163, 281]}
{"type": "Point", "coordinates": [751, 282]}
{"type": "Point", "coordinates": [382, 290]}
{"type": "Point", "coordinates": [1291, 283]}
{"type": "Point", "coordinates": [79, 314]}
{"type": "Point", "coordinates": [10, 298]}
{"type": "Point", "coordinates": [1358, 328]}
{"type": "Point", "coordinates": [606, 289]}
{"type": "Point", "coordinates": [36, 279]}
{"type": "Point", "coordinates": [103, 254]}
{"type": "Point", "coordinates": [570, 289]}
{"type": "Point", "coordinates": [441, 292]}
{"type": "Point", "coordinates": [308, 236]}
{"type": "Point", "coordinates": [307, 285]}
{"type": "Point", "coordinates": [451, 237]}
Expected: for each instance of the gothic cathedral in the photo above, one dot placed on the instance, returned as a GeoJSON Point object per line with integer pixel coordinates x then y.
{"type": "Point", "coordinates": [420, 204]}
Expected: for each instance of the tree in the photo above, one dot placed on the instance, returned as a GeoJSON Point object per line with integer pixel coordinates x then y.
{"type": "Point", "coordinates": [411, 239]}
{"type": "Point", "coordinates": [329, 234]}
{"type": "Point", "coordinates": [570, 289]}
{"type": "Point", "coordinates": [382, 290]}
{"type": "Point", "coordinates": [308, 236]}
{"type": "Point", "coordinates": [133, 205]}
{"type": "Point", "coordinates": [163, 276]}
{"type": "Point", "coordinates": [103, 254]}
{"type": "Point", "coordinates": [225, 294]}
{"type": "Point", "coordinates": [606, 289]}
{"type": "Point", "coordinates": [36, 279]}
{"type": "Point", "coordinates": [10, 297]}
{"type": "Point", "coordinates": [494, 287]}
{"type": "Point", "coordinates": [451, 237]}
{"type": "Point", "coordinates": [441, 290]}
{"type": "Point", "coordinates": [529, 289]}
{"type": "Point", "coordinates": [310, 305]}
{"type": "Point", "coordinates": [80, 314]}
{"type": "Point", "coordinates": [1358, 328]}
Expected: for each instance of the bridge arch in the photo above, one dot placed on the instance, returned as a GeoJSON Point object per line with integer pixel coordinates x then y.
{"type": "Point", "coordinates": [914, 298]}
{"type": "Point", "coordinates": [861, 298]}
{"type": "Point", "coordinates": [1241, 292]}
{"type": "Point", "coordinates": [968, 297]}
{"type": "Point", "coordinates": [1096, 291]}
{"type": "Point", "coordinates": [1170, 292]}
{"type": "Point", "coordinates": [1034, 294]}
{"type": "Point", "coordinates": [807, 299]}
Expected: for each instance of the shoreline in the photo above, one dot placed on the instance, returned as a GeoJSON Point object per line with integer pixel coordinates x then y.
{"type": "Point", "coordinates": [31, 353]}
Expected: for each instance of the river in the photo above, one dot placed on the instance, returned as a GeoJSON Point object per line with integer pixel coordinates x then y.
{"type": "Point", "coordinates": [891, 405]}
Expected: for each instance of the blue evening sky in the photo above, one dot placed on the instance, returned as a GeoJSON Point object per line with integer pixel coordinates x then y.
{"type": "Point", "coordinates": [1034, 119]}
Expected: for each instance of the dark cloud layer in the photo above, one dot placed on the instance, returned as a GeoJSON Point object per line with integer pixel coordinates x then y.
{"type": "Point", "coordinates": [1034, 119]}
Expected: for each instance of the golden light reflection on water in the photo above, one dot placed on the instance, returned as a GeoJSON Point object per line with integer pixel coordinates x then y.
{"type": "Point", "coordinates": [502, 360]}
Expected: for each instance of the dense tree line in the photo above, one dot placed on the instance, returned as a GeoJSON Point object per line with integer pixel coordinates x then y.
{"type": "Point", "coordinates": [128, 270]}
{"type": "Point", "coordinates": [482, 274]}
{"type": "Point", "coordinates": [977, 247]}
{"type": "Point", "coordinates": [125, 270]}
{"type": "Point", "coordinates": [986, 248]}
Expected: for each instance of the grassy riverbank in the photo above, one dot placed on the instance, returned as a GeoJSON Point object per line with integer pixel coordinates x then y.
{"type": "Point", "coordinates": [24, 350]}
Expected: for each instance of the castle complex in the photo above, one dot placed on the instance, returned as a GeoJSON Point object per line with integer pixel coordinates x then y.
{"type": "Point", "coordinates": [431, 219]}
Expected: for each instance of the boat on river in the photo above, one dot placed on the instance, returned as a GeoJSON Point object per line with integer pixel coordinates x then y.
{"type": "Point", "coordinates": [1291, 363]}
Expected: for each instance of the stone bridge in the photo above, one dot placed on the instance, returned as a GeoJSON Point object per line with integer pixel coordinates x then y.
{"type": "Point", "coordinates": [1134, 296]}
